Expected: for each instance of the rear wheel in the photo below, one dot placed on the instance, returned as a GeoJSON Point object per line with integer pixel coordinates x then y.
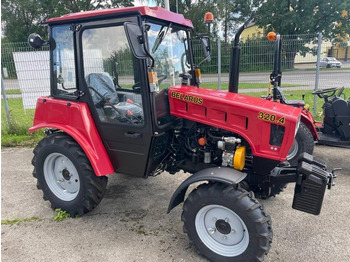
{"type": "Point", "coordinates": [303, 142]}
{"type": "Point", "coordinates": [227, 224]}
{"type": "Point", "coordinates": [65, 175]}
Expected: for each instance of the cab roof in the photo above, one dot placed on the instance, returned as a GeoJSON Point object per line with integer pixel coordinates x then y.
{"type": "Point", "coordinates": [156, 12]}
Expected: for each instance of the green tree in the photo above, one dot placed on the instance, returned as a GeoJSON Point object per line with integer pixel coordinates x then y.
{"type": "Point", "coordinates": [298, 18]}
{"type": "Point", "coordinates": [195, 11]}
{"type": "Point", "coordinates": [22, 17]}
{"type": "Point", "coordinates": [228, 15]}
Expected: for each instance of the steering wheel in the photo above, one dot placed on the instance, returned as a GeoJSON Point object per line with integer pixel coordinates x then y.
{"type": "Point", "coordinates": [136, 86]}
{"type": "Point", "coordinates": [161, 78]}
{"type": "Point", "coordinates": [107, 105]}
{"type": "Point", "coordinates": [341, 91]}
{"type": "Point", "coordinates": [320, 93]}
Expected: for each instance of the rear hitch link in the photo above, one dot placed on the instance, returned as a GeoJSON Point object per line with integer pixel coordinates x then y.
{"type": "Point", "coordinates": [332, 176]}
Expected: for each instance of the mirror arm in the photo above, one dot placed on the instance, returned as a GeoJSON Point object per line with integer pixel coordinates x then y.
{"type": "Point", "coordinates": [144, 28]}
{"type": "Point", "coordinates": [149, 55]}
{"type": "Point", "coordinates": [205, 59]}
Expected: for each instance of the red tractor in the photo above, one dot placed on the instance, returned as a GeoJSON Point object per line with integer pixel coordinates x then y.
{"type": "Point", "coordinates": [125, 98]}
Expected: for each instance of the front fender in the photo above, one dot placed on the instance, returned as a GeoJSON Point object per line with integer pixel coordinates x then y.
{"type": "Point", "coordinates": [224, 175]}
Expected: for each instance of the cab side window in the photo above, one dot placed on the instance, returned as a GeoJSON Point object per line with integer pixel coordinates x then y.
{"type": "Point", "coordinates": [112, 75]}
{"type": "Point", "coordinates": [64, 78]}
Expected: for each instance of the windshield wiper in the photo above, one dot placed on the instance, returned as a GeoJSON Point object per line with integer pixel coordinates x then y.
{"type": "Point", "coordinates": [161, 35]}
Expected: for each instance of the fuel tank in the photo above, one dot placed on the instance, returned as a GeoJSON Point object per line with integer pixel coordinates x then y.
{"type": "Point", "coordinates": [257, 120]}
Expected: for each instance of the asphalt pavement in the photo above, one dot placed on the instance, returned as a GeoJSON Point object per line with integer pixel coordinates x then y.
{"type": "Point", "coordinates": [131, 223]}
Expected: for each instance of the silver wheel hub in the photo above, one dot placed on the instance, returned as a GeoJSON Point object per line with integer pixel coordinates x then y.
{"type": "Point", "coordinates": [61, 176]}
{"type": "Point", "coordinates": [293, 150]}
{"type": "Point", "coordinates": [222, 230]}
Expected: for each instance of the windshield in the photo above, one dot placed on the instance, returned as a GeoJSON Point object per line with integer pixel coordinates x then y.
{"type": "Point", "coordinates": [168, 47]}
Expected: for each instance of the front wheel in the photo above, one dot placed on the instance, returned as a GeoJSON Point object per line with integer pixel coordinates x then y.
{"type": "Point", "coordinates": [303, 142]}
{"type": "Point", "coordinates": [65, 175]}
{"type": "Point", "coordinates": [226, 223]}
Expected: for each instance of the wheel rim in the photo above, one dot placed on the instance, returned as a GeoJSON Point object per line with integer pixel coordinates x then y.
{"type": "Point", "coordinates": [294, 150]}
{"type": "Point", "coordinates": [61, 176]}
{"type": "Point", "coordinates": [222, 230]}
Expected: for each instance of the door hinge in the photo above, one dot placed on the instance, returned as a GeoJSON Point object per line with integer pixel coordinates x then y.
{"type": "Point", "coordinates": [79, 93]}
{"type": "Point", "coordinates": [75, 28]}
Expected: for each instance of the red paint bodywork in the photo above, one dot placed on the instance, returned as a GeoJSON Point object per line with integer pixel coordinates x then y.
{"type": "Point", "coordinates": [309, 121]}
{"type": "Point", "coordinates": [239, 114]}
{"type": "Point", "coordinates": [156, 12]}
{"type": "Point", "coordinates": [75, 120]}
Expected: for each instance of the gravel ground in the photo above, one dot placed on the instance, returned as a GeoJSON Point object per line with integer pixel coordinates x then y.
{"type": "Point", "coordinates": [131, 223]}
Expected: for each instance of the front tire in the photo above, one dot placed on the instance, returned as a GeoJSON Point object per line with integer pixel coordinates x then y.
{"type": "Point", "coordinates": [303, 142]}
{"type": "Point", "coordinates": [65, 175]}
{"type": "Point", "coordinates": [227, 223]}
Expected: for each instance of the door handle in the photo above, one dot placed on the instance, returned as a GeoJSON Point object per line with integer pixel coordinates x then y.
{"type": "Point", "coordinates": [132, 135]}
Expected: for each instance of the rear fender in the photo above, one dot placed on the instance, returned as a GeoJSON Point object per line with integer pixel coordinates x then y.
{"type": "Point", "coordinates": [75, 120]}
{"type": "Point", "coordinates": [309, 121]}
{"type": "Point", "coordinates": [224, 175]}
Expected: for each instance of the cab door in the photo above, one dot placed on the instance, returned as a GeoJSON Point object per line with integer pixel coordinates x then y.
{"type": "Point", "coordinates": [116, 89]}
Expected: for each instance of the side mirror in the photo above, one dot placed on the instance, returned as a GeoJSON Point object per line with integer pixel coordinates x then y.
{"type": "Point", "coordinates": [205, 42]}
{"type": "Point", "coordinates": [136, 40]}
{"type": "Point", "coordinates": [36, 41]}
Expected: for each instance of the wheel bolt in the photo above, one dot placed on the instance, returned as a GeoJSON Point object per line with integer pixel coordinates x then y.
{"type": "Point", "coordinates": [233, 231]}
{"type": "Point", "coordinates": [224, 237]}
{"type": "Point", "coordinates": [214, 219]}
{"type": "Point", "coordinates": [226, 220]}
{"type": "Point", "coordinates": [60, 181]}
{"type": "Point", "coordinates": [211, 230]}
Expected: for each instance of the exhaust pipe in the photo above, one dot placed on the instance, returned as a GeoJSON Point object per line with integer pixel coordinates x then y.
{"type": "Point", "coordinates": [234, 61]}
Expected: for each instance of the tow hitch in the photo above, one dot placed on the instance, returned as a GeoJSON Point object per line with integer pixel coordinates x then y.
{"type": "Point", "coordinates": [312, 179]}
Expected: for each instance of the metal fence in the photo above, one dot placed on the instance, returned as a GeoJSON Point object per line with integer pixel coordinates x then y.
{"type": "Point", "coordinates": [298, 64]}
{"type": "Point", "coordinates": [299, 60]}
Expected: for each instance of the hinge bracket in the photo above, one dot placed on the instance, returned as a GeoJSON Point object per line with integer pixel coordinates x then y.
{"type": "Point", "coordinates": [79, 93]}
{"type": "Point", "coordinates": [75, 28]}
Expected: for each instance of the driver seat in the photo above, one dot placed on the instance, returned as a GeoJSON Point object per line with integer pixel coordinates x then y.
{"type": "Point", "coordinates": [284, 100]}
{"type": "Point", "coordinates": [102, 84]}
{"type": "Point", "coordinates": [107, 102]}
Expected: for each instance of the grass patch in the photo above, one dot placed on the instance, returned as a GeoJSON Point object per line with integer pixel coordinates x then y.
{"type": "Point", "coordinates": [17, 133]}
{"type": "Point", "coordinates": [13, 92]}
{"type": "Point", "coordinates": [224, 86]}
{"type": "Point", "coordinates": [18, 221]}
{"type": "Point", "coordinates": [61, 214]}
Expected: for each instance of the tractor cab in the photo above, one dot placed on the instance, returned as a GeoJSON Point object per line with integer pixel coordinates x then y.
{"type": "Point", "coordinates": [120, 63]}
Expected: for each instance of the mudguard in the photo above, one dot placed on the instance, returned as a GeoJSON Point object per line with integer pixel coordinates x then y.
{"type": "Point", "coordinates": [309, 121]}
{"type": "Point", "coordinates": [224, 175]}
{"type": "Point", "coordinates": [74, 119]}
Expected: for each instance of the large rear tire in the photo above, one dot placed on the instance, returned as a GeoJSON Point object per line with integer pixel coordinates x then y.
{"type": "Point", "coordinates": [303, 142]}
{"type": "Point", "coordinates": [65, 175]}
{"type": "Point", "coordinates": [226, 223]}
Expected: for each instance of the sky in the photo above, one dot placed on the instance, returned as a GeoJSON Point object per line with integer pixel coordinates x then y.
{"type": "Point", "coordinates": [145, 2]}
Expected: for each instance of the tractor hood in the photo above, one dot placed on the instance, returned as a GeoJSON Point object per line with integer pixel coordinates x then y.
{"type": "Point", "coordinates": [254, 119]}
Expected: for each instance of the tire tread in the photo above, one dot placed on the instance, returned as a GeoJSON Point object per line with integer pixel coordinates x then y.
{"type": "Point", "coordinates": [96, 186]}
{"type": "Point", "coordinates": [219, 191]}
